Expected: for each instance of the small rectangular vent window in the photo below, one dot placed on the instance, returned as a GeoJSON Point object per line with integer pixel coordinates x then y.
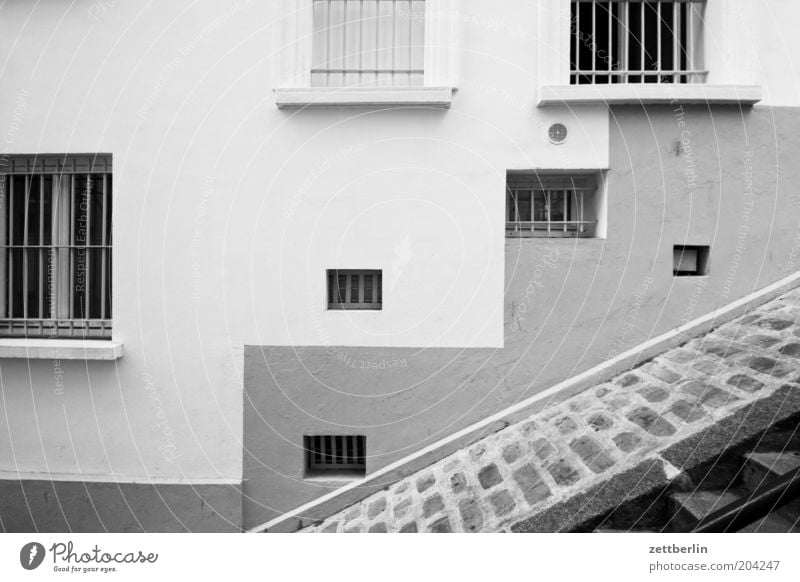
{"type": "Point", "coordinates": [690, 261]}
{"type": "Point", "coordinates": [355, 289]}
{"type": "Point", "coordinates": [332, 454]}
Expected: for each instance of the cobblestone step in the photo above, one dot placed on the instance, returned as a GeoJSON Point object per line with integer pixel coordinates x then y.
{"type": "Point", "coordinates": [760, 468]}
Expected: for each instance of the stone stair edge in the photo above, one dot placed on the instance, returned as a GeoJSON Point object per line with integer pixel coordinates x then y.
{"type": "Point", "coordinates": [778, 463]}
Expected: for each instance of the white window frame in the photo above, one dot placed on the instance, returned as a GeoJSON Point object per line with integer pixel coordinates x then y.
{"type": "Point", "coordinates": [294, 88]}
{"type": "Point", "coordinates": [729, 56]}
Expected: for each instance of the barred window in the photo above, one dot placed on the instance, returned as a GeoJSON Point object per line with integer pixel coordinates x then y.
{"type": "Point", "coordinates": [368, 43]}
{"type": "Point", "coordinates": [355, 289]}
{"type": "Point", "coordinates": [55, 234]}
{"type": "Point", "coordinates": [551, 205]}
{"type": "Point", "coordinates": [636, 41]}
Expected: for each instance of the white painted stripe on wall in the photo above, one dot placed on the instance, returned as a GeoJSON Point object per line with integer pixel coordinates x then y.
{"type": "Point", "coordinates": [663, 340]}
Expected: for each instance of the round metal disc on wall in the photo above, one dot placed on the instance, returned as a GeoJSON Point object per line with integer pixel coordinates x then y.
{"type": "Point", "coordinates": [557, 133]}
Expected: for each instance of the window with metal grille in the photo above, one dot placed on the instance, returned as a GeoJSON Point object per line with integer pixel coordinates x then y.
{"type": "Point", "coordinates": [368, 43]}
{"type": "Point", "coordinates": [335, 454]}
{"type": "Point", "coordinates": [690, 260]}
{"type": "Point", "coordinates": [551, 205]}
{"type": "Point", "coordinates": [636, 41]}
{"type": "Point", "coordinates": [55, 246]}
{"type": "Point", "coordinates": [355, 289]}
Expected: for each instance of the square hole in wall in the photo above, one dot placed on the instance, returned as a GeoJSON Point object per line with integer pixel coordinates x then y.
{"type": "Point", "coordinates": [335, 455]}
{"type": "Point", "coordinates": [690, 260]}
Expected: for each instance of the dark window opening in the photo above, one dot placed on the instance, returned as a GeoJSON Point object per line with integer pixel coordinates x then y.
{"type": "Point", "coordinates": [631, 41]}
{"type": "Point", "coordinates": [690, 261]}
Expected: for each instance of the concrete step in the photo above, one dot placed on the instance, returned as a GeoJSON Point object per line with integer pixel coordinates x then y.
{"type": "Point", "coordinates": [601, 530]}
{"type": "Point", "coordinates": [773, 523]}
{"type": "Point", "coordinates": [785, 437]}
{"type": "Point", "coordinates": [772, 464]}
{"type": "Point", "coordinates": [760, 468]}
{"type": "Point", "coordinates": [689, 507]}
{"type": "Point", "coordinates": [686, 508]}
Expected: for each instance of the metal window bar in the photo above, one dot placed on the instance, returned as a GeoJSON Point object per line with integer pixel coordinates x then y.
{"type": "Point", "coordinates": [72, 261]}
{"type": "Point", "coordinates": [593, 45]}
{"type": "Point", "coordinates": [368, 43]}
{"type": "Point", "coordinates": [87, 295]}
{"type": "Point", "coordinates": [610, 31]}
{"type": "Point", "coordinates": [327, 453]}
{"type": "Point", "coordinates": [25, 290]}
{"type": "Point", "coordinates": [355, 289]}
{"type": "Point", "coordinates": [49, 268]}
{"type": "Point", "coordinates": [545, 207]}
{"type": "Point", "coordinates": [574, 44]}
{"type": "Point", "coordinates": [645, 32]}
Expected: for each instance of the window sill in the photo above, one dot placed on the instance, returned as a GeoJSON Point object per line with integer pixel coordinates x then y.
{"type": "Point", "coordinates": [558, 241]}
{"type": "Point", "coordinates": [439, 97]}
{"type": "Point", "coordinates": [649, 93]}
{"type": "Point", "coordinates": [58, 349]}
{"type": "Point", "coordinates": [537, 235]}
{"type": "Point", "coordinates": [335, 479]}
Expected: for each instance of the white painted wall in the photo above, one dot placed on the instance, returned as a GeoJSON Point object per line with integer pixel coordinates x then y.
{"type": "Point", "coordinates": [778, 56]}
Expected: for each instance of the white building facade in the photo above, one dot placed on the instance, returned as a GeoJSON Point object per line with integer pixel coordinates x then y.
{"type": "Point", "coordinates": [255, 251]}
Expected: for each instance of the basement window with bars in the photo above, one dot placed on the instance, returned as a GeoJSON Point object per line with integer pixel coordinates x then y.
{"type": "Point", "coordinates": [55, 234]}
{"type": "Point", "coordinates": [636, 41]}
{"type": "Point", "coordinates": [551, 205]}
{"type": "Point", "coordinates": [355, 289]}
{"type": "Point", "coordinates": [328, 455]}
{"type": "Point", "coordinates": [368, 43]}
